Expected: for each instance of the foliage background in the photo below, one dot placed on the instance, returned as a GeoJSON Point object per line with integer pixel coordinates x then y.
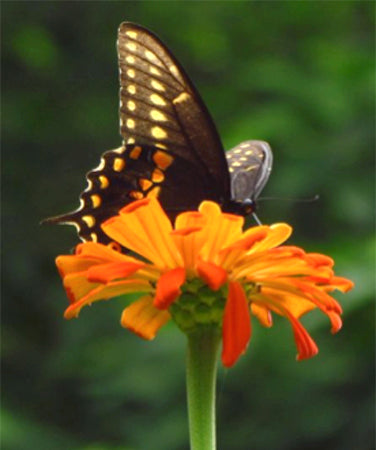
{"type": "Point", "coordinates": [297, 74]}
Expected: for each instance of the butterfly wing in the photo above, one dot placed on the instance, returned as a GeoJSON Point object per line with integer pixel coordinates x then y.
{"type": "Point", "coordinates": [159, 106]}
{"type": "Point", "coordinates": [250, 164]}
{"type": "Point", "coordinates": [171, 148]}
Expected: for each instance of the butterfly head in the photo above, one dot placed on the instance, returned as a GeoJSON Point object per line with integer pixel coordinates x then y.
{"type": "Point", "coordinates": [240, 208]}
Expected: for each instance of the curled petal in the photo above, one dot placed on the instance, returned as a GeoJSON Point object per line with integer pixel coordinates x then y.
{"type": "Point", "coordinates": [318, 260]}
{"type": "Point", "coordinates": [89, 254]}
{"type": "Point", "coordinates": [168, 288]}
{"type": "Point", "coordinates": [278, 234]}
{"type": "Point", "coordinates": [305, 344]}
{"type": "Point", "coordinates": [213, 275]}
{"type": "Point", "coordinates": [236, 325]}
{"type": "Point", "coordinates": [263, 314]}
{"type": "Point", "coordinates": [335, 320]}
{"type": "Point", "coordinates": [143, 318]}
{"type": "Point", "coordinates": [104, 273]}
{"type": "Point", "coordinates": [104, 292]}
{"type": "Point", "coordinates": [340, 283]}
{"type": "Point", "coordinates": [250, 237]}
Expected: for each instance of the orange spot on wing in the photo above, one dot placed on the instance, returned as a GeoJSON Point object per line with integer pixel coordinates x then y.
{"type": "Point", "coordinates": [157, 176]}
{"type": "Point", "coordinates": [103, 181]}
{"type": "Point", "coordinates": [137, 195]}
{"type": "Point", "coordinates": [135, 152]}
{"type": "Point", "coordinates": [162, 159]}
{"type": "Point", "coordinates": [145, 184]}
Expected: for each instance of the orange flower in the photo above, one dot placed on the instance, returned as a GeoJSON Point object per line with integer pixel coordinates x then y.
{"type": "Point", "coordinates": [204, 272]}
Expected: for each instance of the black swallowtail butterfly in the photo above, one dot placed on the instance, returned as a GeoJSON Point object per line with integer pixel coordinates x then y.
{"type": "Point", "coordinates": [171, 148]}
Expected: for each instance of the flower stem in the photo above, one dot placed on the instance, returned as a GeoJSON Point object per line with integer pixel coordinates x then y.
{"type": "Point", "coordinates": [202, 359]}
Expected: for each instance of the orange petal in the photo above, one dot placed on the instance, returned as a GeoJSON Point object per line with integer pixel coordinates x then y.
{"type": "Point", "coordinates": [249, 238]}
{"type": "Point", "coordinates": [101, 252]}
{"type": "Point", "coordinates": [168, 287]}
{"type": "Point", "coordinates": [67, 264]}
{"type": "Point", "coordinates": [263, 314]}
{"type": "Point", "coordinates": [305, 344]}
{"type": "Point", "coordinates": [342, 284]}
{"type": "Point", "coordinates": [77, 286]}
{"type": "Point", "coordinates": [236, 325]}
{"type": "Point", "coordinates": [135, 205]}
{"type": "Point", "coordinates": [189, 241]}
{"type": "Point", "coordinates": [318, 296]}
{"type": "Point", "coordinates": [278, 234]}
{"type": "Point", "coordinates": [213, 275]}
{"type": "Point", "coordinates": [190, 219]}
{"type": "Point", "coordinates": [185, 231]}
{"type": "Point", "coordinates": [285, 296]}
{"type": "Point", "coordinates": [335, 320]}
{"type": "Point", "coordinates": [220, 230]}
{"type": "Point", "coordinates": [104, 292]}
{"type": "Point", "coordinates": [318, 260]}
{"type": "Point", "coordinates": [145, 229]}
{"type": "Point", "coordinates": [104, 273]}
{"type": "Point", "coordinates": [230, 255]}
{"type": "Point", "coordinates": [143, 318]}
{"type": "Point", "coordinates": [88, 254]}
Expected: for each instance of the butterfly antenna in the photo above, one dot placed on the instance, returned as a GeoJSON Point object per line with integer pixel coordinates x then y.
{"type": "Point", "coordinates": [293, 199]}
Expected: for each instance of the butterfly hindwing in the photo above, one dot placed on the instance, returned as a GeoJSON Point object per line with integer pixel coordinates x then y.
{"type": "Point", "coordinates": [123, 176]}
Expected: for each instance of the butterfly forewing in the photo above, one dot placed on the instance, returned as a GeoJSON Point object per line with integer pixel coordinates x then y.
{"type": "Point", "coordinates": [160, 107]}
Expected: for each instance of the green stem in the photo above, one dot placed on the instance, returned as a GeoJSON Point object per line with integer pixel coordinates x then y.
{"type": "Point", "coordinates": [201, 381]}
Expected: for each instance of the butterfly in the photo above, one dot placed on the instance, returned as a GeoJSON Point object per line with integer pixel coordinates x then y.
{"type": "Point", "coordinates": [171, 149]}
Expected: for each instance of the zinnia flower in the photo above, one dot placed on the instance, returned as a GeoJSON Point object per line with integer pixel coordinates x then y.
{"type": "Point", "coordinates": [203, 272]}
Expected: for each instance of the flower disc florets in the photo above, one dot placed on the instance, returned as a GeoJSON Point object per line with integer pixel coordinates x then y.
{"type": "Point", "coordinates": [198, 307]}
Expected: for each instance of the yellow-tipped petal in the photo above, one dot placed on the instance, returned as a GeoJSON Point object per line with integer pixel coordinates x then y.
{"type": "Point", "coordinates": [144, 228]}
{"type": "Point", "coordinates": [143, 318]}
{"type": "Point", "coordinates": [220, 230]}
{"type": "Point", "coordinates": [189, 242]}
{"type": "Point", "coordinates": [278, 234]}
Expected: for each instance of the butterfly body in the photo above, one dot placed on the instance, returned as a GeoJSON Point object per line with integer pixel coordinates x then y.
{"type": "Point", "coordinates": [171, 149]}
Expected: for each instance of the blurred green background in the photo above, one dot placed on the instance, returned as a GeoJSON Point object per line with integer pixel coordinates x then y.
{"type": "Point", "coordinates": [299, 75]}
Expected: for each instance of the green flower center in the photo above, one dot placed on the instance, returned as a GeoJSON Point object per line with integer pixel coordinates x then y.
{"type": "Point", "coordinates": [199, 307]}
